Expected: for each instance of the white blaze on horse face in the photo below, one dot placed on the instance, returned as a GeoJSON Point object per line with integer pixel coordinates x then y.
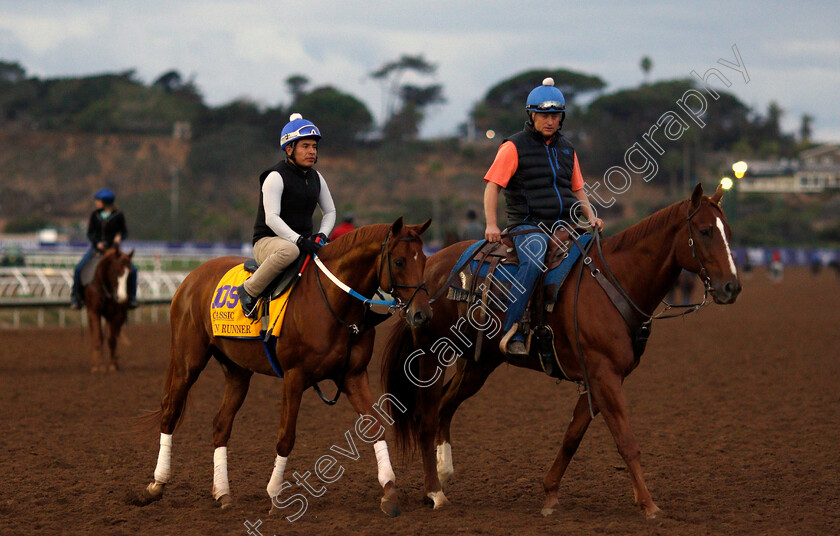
{"type": "Point", "coordinates": [726, 243]}
{"type": "Point", "coordinates": [122, 286]}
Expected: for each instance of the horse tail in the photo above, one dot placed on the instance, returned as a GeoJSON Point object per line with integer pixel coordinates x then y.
{"type": "Point", "coordinates": [396, 382]}
{"type": "Point", "coordinates": [148, 423]}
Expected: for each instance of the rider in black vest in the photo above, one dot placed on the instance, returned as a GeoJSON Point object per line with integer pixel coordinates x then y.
{"type": "Point", "coordinates": [289, 193]}
{"type": "Point", "coordinates": [539, 172]}
{"type": "Point", "coordinates": [106, 228]}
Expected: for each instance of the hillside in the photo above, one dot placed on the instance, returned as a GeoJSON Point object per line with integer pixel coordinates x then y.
{"type": "Point", "coordinates": [47, 179]}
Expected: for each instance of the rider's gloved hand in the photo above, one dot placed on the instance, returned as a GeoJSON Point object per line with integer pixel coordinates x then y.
{"type": "Point", "coordinates": [307, 245]}
{"type": "Point", "coordinates": [323, 238]}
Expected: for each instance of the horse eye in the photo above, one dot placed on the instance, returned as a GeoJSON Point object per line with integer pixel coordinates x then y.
{"type": "Point", "coordinates": [707, 232]}
{"type": "Point", "coordinates": [399, 262]}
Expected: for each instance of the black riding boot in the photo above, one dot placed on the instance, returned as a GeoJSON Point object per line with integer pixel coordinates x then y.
{"type": "Point", "coordinates": [248, 302]}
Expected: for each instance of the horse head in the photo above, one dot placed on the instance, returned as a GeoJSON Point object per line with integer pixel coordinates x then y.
{"type": "Point", "coordinates": [113, 271]}
{"type": "Point", "coordinates": [704, 247]}
{"type": "Point", "coordinates": [401, 266]}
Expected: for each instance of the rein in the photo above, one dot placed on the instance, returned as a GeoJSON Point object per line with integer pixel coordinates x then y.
{"type": "Point", "coordinates": [355, 329]}
{"type": "Point", "coordinates": [612, 285]}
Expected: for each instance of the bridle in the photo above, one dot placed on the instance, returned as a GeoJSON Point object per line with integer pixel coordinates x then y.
{"type": "Point", "coordinates": [396, 304]}
{"type": "Point", "coordinates": [707, 281]}
{"type": "Point", "coordinates": [385, 256]}
{"type": "Point", "coordinates": [393, 305]}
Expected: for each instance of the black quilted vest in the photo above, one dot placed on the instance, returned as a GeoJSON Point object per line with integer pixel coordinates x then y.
{"type": "Point", "coordinates": [300, 197]}
{"type": "Point", "coordinates": [541, 188]}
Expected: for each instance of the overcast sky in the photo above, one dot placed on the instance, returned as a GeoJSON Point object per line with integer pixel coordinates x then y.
{"type": "Point", "coordinates": [247, 48]}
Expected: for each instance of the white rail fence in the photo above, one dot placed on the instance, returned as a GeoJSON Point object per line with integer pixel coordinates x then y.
{"type": "Point", "coordinates": [41, 296]}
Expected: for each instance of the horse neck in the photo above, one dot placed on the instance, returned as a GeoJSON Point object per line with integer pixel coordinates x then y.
{"type": "Point", "coordinates": [353, 261]}
{"type": "Point", "coordinates": [643, 259]}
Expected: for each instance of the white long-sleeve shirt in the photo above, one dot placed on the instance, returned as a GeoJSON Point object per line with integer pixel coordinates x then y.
{"type": "Point", "coordinates": [272, 190]}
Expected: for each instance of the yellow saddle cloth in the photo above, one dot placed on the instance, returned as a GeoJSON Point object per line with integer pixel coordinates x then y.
{"type": "Point", "coordinates": [226, 314]}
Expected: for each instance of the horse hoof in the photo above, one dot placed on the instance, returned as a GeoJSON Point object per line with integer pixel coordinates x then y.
{"type": "Point", "coordinates": [153, 492]}
{"type": "Point", "coordinates": [390, 503]}
{"type": "Point", "coordinates": [653, 513]}
{"type": "Point", "coordinates": [225, 501]}
{"type": "Point", "coordinates": [113, 368]}
{"type": "Point", "coordinates": [438, 498]}
{"type": "Point", "coordinates": [547, 511]}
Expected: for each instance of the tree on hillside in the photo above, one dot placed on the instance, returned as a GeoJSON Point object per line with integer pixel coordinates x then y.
{"type": "Point", "coordinates": [614, 122]}
{"type": "Point", "coordinates": [646, 65]}
{"type": "Point", "coordinates": [297, 83]}
{"type": "Point", "coordinates": [406, 102]}
{"type": "Point", "coordinates": [341, 118]}
{"type": "Point", "coordinates": [805, 128]}
{"type": "Point", "coordinates": [503, 108]}
{"type": "Point", "coordinates": [11, 73]}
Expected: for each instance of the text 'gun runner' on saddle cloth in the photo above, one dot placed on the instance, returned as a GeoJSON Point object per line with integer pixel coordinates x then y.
{"type": "Point", "coordinates": [229, 320]}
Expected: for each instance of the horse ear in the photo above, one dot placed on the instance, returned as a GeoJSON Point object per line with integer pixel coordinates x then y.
{"type": "Point", "coordinates": [130, 255]}
{"type": "Point", "coordinates": [717, 195]}
{"type": "Point", "coordinates": [697, 195]}
{"type": "Point", "coordinates": [397, 226]}
{"type": "Point", "coordinates": [420, 229]}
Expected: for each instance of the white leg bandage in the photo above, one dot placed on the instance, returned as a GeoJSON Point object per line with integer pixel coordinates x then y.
{"type": "Point", "coordinates": [162, 471]}
{"type": "Point", "coordinates": [276, 476]}
{"type": "Point", "coordinates": [383, 463]}
{"type": "Point", "coordinates": [445, 468]}
{"type": "Point", "coordinates": [221, 485]}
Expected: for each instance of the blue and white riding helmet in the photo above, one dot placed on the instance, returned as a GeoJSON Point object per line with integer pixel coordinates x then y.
{"type": "Point", "coordinates": [546, 99]}
{"type": "Point", "coordinates": [298, 128]}
{"type": "Point", "coordinates": [105, 195]}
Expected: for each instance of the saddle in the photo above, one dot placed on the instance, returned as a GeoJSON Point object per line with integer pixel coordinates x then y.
{"type": "Point", "coordinates": [89, 269]}
{"type": "Point", "coordinates": [497, 261]}
{"type": "Point", "coordinates": [282, 282]}
{"type": "Point", "coordinates": [488, 269]}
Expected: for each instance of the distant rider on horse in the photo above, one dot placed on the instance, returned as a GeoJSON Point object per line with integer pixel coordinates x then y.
{"type": "Point", "coordinates": [106, 229]}
{"type": "Point", "coordinates": [289, 193]}
{"type": "Point", "coordinates": [539, 172]}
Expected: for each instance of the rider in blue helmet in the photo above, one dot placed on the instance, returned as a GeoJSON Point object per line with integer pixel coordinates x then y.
{"type": "Point", "coordinates": [539, 172]}
{"type": "Point", "coordinates": [289, 193]}
{"type": "Point", "coordinates": [106, 229]}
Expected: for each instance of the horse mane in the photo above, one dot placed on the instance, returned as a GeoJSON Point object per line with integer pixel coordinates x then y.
{"type": "Point", "coordinates": [656, 221]}
{"type": "Point", "coordinates": [368, 234]}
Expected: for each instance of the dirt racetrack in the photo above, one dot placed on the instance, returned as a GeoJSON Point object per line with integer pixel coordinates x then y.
{"type": "Point", "coordinates": [736, 409]}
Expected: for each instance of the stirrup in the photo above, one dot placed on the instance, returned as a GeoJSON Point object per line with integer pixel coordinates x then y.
{"type": "Point", "coordinates": [506, 340]}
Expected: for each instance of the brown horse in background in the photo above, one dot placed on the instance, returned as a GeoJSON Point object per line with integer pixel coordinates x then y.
{"type": "Point", "coordinates": [323, 337]}
{"type": "Point", "coordinates": [645, 260]}
{"type": "Point", "coordinates": [106, 298]}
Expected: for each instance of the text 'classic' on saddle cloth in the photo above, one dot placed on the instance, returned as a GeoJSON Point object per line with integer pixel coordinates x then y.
{"type": "Point", "coordinates": [226, 315]}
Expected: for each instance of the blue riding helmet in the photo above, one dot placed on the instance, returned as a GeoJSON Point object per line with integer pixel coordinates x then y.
{"type": "Point", "coordinates": [546, 98]}
{"type": "Point", "coordinates": [298, 128]}
{"type": "Point", "coordinates": [105, 195]}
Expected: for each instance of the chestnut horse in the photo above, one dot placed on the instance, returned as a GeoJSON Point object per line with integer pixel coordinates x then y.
{"type": "Point", "coordinates": [106, 298]}
{"type": "Point", "coordinates": [645, 261]}
{"type": "Point", "coordinates": [321, 339]}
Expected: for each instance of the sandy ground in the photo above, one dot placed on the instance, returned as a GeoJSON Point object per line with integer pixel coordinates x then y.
{"type": "Point", "coordinates": [736, 409]}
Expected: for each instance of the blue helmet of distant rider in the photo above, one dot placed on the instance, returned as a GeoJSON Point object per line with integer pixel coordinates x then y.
{"type": "Point", "coordinates": [105, 195]}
